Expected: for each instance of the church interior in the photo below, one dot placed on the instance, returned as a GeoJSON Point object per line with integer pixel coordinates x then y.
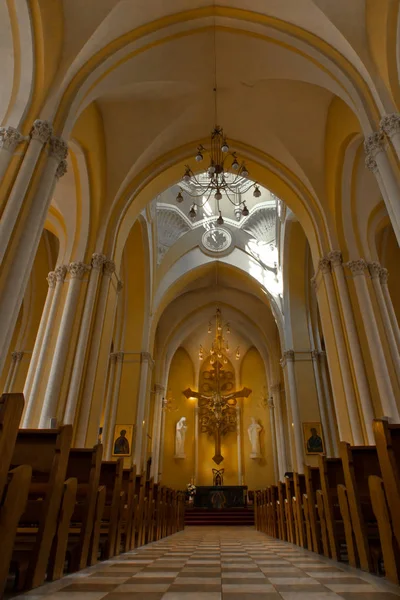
{"type": "Point", "coordinates": [200, 299]}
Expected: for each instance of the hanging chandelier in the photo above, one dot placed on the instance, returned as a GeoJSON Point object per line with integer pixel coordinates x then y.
{"type": "Point", "coordinates": [219, 350]}
{"type": "Point", "coordinates": [217, 181]}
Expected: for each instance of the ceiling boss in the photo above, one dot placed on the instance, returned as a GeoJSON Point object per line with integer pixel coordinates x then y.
{"type": "Point", "coordinates": [217, 410]}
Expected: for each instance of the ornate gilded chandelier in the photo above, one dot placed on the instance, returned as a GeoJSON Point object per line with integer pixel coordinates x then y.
{"type": "Point", "coordinates": [218, 181]}
{"type": "Point", "coordinates": [219, 350]}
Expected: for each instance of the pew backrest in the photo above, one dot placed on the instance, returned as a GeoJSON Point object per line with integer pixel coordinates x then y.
{"type": "Point", "coordinates": [11, 407]}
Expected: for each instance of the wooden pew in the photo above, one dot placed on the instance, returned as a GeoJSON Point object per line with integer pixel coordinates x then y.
{"type": "Point", "coordinates": [318, 534]}
{"type": "Point", "coordinates": [46, 451]}
{"type": "Point", "coordinates": [359, 463]}
{"type": "Point", "coordinates": [111, 480]}
{"type": "Point", "coordinates": [291, 533]}
{"type": "Point", "coordinates": [138, 510]}
{"type": "Point", "coordinates": [128, 487]}
{"type": "Point", "coordinates": [83, 464]}
{"type": "Point", "coordinates": [299, 482]}
{"type": "Point", "coordinates": [273, 518]}
{"type": "Point", "coordinates": [14, 485]}
{"type": "Point", "coordinates": [281, 511]}
{"type": "Point", "coordinates": [332, 475]}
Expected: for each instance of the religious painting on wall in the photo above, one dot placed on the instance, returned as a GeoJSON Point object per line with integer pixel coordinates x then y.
{"type": "Point", "coordinates": [122, 443]}
{"type": "Point", "coordinates": [313, 438]}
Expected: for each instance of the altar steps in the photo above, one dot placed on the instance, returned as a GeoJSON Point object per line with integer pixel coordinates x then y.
{"type": "Point", "coordinates": [232, 517]}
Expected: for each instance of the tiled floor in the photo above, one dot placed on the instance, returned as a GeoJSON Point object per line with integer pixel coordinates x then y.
{"type": "Point", "coordinates": [226, 563]}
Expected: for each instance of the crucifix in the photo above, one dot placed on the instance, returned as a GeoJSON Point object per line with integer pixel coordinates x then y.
{"type": "Point", "coordinates": [217, 411]}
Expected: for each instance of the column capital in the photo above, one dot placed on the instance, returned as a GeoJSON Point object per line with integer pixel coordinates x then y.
{"type": "Point", "coordinates": [120, 356]}
{"type": "Point", "coordinates": [374, 269]}
{"type": "Point", "coordinates": [61, 169]}
{"type": "Point", "coordinates": [288, 356]}
{"type": "Point", "coordinates": [158, 388]}
{"type": "Point", "coordinates": [58, 149]}
{"type": "Point", "coordinates": [335, 258]}
{"type": "Point", "coordinates": [113, 357]}
{"type": "Point", "coordinates": [61, 273]}
{"type": "Point", "coordinates": [384, 276]}
{"type": "Point", "coordinates": [108, 268]}
{"type": "Point", "coordinates": [146, 357]}
{"type": "Point", "coordinates": [390, 124]}
{"type": "Point", "coordinates": [324, 265]}
{"type": "Point", "coordinates": [17, 356]}
{"type": "Point", "coordinates": [371, 163]}
{"type": "Point", "coordinates": [98, 261]}
{"type": "Point", "coordinates": [52, 279]}
{"type": "Point", "coordinates": [357, 267]}
{"type": "Point", "coordinates": [41, 131]}
{"type": "Point", "coordinates": [10, 138]}
{"type": "Point", "coordinates": [314, 283]}
{"type": "Point", "coordinates": [374, 143]}
{"type": "Point", "coordinates": [271, 404]}
{"type": "Point", "coordinates": [120, 286]}
{"type": "Point", "coordinates": [77, 270]}
{"type": "Point", "coordinates": [275, 388]}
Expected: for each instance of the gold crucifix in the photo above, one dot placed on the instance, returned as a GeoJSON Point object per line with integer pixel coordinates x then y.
{"type": "Point", "coordinates": [217, 412]}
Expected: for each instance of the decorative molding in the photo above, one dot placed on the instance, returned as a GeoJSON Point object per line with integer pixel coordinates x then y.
{"type": "Point", "coordinates": [77, 270]}
{"type": "Point", "coordinates": [10, 138]}
{"type": "Point", "coordinates": [288, 356]}
{"type": "Point", "coordinates": [170, 227]}
{"type": "Point", "coordinates": [98, 261]}
{"type": "Point", "coordinates": [58, 149]}
{"type": "Point", "coordinates": [120, 286]}
{"type": "Point", "coordinates": [276, 388]}
{"type": "Point", "coordinates": [61, 169]}
{"type": "Point", "coordinates": [374, 143]}
{"type": "Point", "coordinates": [52, 279]}
{"type": "Point", "coordinates": [384, 276]}
{"type": "Point", "coordinates": [61, 273]}
{"type": "Point", "coordinates": [314, 283]}
{"type": "Point", "coordinates": [357, 267]}
{"type": "Point", "coordinates": [261, 224]}
{"type": "Point", "coordinates": [41, 131]}
{"type": "Point", "coordinates": [324, 265]}
{"type": "Point", "coordinates": [371, 163]}
{"type": "Point", "coordinates": [17, 356]}
{"type": "Point", "coordinates": [108, 268]}
{"type": "Point", "coordinates": [120, 357]}
{"type": "Point", "coordinates": [374, 270]}
{"type": "Point", "coordinates": [145, 357]}
{"type": "Point", "coordinates": [390, 124]}
{"type": "Point", "coordinates": [113, 357]}
{"type": "Point", "coordinates": [158, 388]}
{"type": "Point", "coordinates": [335, 258]}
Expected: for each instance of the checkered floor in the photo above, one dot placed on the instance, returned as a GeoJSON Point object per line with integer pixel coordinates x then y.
{"type": "Point", "coordinates": [211, 563]}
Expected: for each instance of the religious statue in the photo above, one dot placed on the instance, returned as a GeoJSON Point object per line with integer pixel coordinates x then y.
{"type": "Point", "coordinates": [180, 434]}
{"type": "Point", "coordinates": [254, 437]}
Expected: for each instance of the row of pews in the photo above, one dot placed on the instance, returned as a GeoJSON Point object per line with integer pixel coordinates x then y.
{"type": "Point", "coordinates": [347, 508]}
{"type": "Point", "coordinates": [63, 509]}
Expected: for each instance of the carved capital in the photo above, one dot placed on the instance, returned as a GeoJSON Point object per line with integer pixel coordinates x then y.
{"type": "Point", "coordinates": [390, 124]}
{"type": "Point", "coordinates": [41, 131]}
{"type": "Point", "coordinates": [10, 138]}
{"type": "Point", "coordinates": [374, 143]}
{"type": "Point", "coordinates": [288, 356]}
{"type": "Point", "coordinates": [384, 276]}
{"type": "Point", "coordinates": [61, 273]}
{"type": "Point", "coordinates": [61, 169]}
{"type": "Point", "coordinates": [315, 354]}
{"type": "Point", "coordinates": [58, 148]}
{"type": "Point", "coordinates": [276, 388]}
{"type": "Point", "coordinates": [120, 357]}
{"type": "Point", "coordinates": [52, 279]}
{"type": "Point", "coordinates": [108, 268]}
{"type": "Point", "coordinates": [77, 270]}
{"type": "Point", "coordinates": [374, 270]}
{"type": "Point", "coordinates": [98, 261]}
{"type": "Point", "coordinates": [146, 357]}
{"type": "Point", "coordinates": [335, 258]}
{"type": "Point", "coordinates": [113, 357]}
{"type": "Point", "coordinates": [17, 356]}
{"type": "Point", "coordinates": [325, 265]}
{"type": "Point", "coordinates": [357, 267]}
{"type": "Point", "coordinates": [371, 163]}
{"type": "Point", "coordinates": [120, 286]}
{"type": "Point", "coordinates": [314, 283]}
{"type": "Point", "coordinates": [158, 388]}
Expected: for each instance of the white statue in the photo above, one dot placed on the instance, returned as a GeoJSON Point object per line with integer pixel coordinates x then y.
{"type": "Point", "coordinates": [254, 437]}
{"type": "Point", "coordinates": [180, 434]}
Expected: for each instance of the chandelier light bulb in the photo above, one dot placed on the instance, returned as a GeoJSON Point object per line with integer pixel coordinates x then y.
{"type": "Point", "coordinates": [220, 220]}
{"type": "Point", "coordinates": [257, 192]}
{"type": "Point", "coordinates": [186, 177]}
{"type": "Point", "coordinates": [244, 172]}
{"type": "Point", "coordinates": [218, 195]}
{"type": "Point", "coordinates": [199, 155]}
{"type": "Point", "coordinates": [224, 147]}
{"type": "Point", "coordinates": [179, 197]}
{"type": "Point", "coordinates": [209, 328]}
{"type": "Point", "coordinates": [245, 211]}
{"type": "Point", "coordinates": [225, 360]}
{"type": "Point", "coordinates": [211, 170]}
{"type": "Point", "coordinates": [192, 212]}
{"type": "Point", "coordinates": [235, 165]}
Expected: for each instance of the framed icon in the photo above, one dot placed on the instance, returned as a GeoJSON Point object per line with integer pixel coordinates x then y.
{"type": "Point", "coordinates": [313, 438]}
{"type": "Point", "coordinates": [122, 442]}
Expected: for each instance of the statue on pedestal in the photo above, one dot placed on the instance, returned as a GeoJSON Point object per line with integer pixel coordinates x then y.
{"type": "Point", "coordinates": [254, 437]}
{"type": "Point", "coordinates": [180, 434]}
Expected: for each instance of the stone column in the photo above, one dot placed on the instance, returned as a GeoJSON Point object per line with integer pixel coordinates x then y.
{"type": "Point", "coordinates": [40, 351]}
{"type": "Point", "coordinates": [16, 358]}
{"type": "Point", "coordinates": [388, 401]}
{"type": "Point", "coordinates": [161, 457]}
{"type": "Point", "coordinates": [321, 402]}
{"type": "Point", "coordinates": [89, 404]}
{"type": "Point", "coordinates": [389, 304]}
{"type": "Point", "coordinates": [146, 362]}
{"type": "Point", "coordinates": [97, 263]}
{"type": "Point", "coordinates": [40, 134]}
{"type": "Point", "coordinates": [288, 362]}
{"type": "Point", "coordinates": [324, 371]}
{"type": "Point", "coordinates": [196, 444]}
{"type": "Point", "coordinates": [271, 407]}
{"type": "Point", "coordinates": [156, 446]}
{"type": "Point", "coordinates": [390, 126]}
{"type": "Point", "coordinates": [280, 434]}
{"type": "Point", "coordinates": [378, 162]}
{"type": "Point", "coordinates": [375, 272]}
{"type": "Point", "coordinates": [10, 138]}
{"type": "Point", "coordinates": [114, 391]}
{"type": "Point", "coordinates": [109, 395]}
{"type": "Point", "coordinates": [367, 412]}
{"type": "Point", "coordinates": [239, 445]}
{"type": "Point", "coordinates": [351, 400]}
{"type": "Point", "coordinates": [51, 399]}
{"type": "Point", "coordinates": [19, 265]}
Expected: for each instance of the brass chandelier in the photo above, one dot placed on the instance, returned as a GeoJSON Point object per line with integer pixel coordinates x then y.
{"type": "Point", "coordinates": [219, 346]}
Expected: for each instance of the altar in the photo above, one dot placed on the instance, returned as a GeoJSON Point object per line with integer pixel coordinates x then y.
{"type": "Point", "coordinates": [220, 496]}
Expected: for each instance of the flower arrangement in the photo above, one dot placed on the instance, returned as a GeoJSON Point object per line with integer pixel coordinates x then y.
{"type": "Point", "coordinates": [191, 490]}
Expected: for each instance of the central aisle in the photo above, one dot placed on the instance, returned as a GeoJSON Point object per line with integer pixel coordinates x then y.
{"type": "Point", "coordinates": [231, 563]}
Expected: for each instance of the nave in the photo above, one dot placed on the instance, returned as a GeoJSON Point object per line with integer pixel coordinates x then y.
{"type": "Point", "coordinates": [218, 563]}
